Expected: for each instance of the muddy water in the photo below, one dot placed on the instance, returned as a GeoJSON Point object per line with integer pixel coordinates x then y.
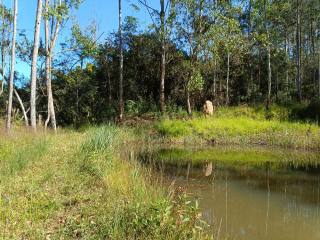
{"type": "Point", "coordinates": [253, 203]}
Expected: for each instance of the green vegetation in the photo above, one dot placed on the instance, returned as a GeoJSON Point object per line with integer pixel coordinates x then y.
{"type": "Point", "coordinates": [154, 76]}
{"type": "Point", "coordinates": [244, 125]}
{"type": "Point", "coordinates": [75, 185]}
{"type": "Point", "coordinates": [239, 156]}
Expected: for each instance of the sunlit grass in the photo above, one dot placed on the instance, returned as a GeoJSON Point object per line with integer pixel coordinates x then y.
{"type": "Point", "coordinates": [243, 126]}
{"type": "Point", "coordinates": [77, 185]}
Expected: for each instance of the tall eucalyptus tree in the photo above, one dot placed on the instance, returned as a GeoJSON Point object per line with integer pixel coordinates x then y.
{"type": "Point", "coordinates": [121, 102]}
{"type": "Point", "coordinates": [34, 66]}
{"type": "Point", "coordinates": [13, 61]}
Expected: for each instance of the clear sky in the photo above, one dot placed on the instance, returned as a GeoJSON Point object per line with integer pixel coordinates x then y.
{"type": "Point", "coordinates": [103, 12]}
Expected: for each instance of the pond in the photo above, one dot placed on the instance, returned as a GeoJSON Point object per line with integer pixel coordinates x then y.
{"type": "Point", "coordinates": [264, 194]}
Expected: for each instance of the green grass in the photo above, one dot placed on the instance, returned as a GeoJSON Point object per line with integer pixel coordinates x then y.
{"type": "Point", "coordinates": [84, 186]}
{"type": "Point", "coordinates": [243, 125]}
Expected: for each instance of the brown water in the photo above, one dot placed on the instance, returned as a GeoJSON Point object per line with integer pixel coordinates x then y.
{"type": "Point", "coordinates": [242, 203]}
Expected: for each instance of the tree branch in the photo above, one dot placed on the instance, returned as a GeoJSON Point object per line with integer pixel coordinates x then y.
{"type": "Point", "coordinates": [22, 108]}
{"type": "Point", "coordinates": [148, 7]}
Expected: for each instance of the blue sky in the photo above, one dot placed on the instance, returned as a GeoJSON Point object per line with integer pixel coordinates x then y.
{"type": "Point", "coordinates": [103, 12]}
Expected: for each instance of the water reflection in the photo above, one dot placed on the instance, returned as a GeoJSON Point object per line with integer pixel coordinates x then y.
{"type": "Point", "coordinates": [263, 202]}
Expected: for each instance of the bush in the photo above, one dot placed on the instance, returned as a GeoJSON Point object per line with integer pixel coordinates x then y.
{"type": "Point", "coordinates": [306, 112]}
{"type": "Point", "coordinates": [163, 219]}
{"type": "Point", "coordinates": [310, 112]}
{"type": "Point", "coordinates": [140, 106]}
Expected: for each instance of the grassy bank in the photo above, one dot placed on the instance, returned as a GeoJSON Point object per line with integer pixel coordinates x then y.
{"type": "Point", "coordinates": [243, 125]}
{"type": "Point", "coordinates": [76, 185]}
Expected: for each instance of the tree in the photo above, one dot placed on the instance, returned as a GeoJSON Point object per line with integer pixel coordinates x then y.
{"type": "Point", "coordinates": [13, 60]}
{"type": "Point", "coordinates": [163, 55]}
{"type": "Point", "coordinates": [6, 21]}
{"type": "Point", "coordinates": [50, 41]}
{"type": "Point", "coordinates": [298, 51]}
{"type": "Point", "coordinates": [163, 33]}
{"type": "Point", "coordinates": [121, 102]}
{"type": "Point", "coordinates": [55, 13]}
{"type": "Point", "coordinates": [266, 5]}
{"type": "Point", "coordinates": [230, 37]}
{"type": "Point", "coordinates": [34, 66]}
{"type": "Point", "coordinates": [191, 26]}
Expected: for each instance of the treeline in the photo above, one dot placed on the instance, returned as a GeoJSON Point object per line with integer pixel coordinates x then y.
{"type": "Point", "coordinates": [230, 52]}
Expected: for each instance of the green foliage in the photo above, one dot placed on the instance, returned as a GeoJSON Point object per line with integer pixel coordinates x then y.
{"type": "Point", "coordinates": [308, 112]}
{"type": "Point", "coordinates": [85, 40]}
{"type": "Point", "coordinates": [196, 82]}
{"type": "Point", "coordinates": [140, 106]}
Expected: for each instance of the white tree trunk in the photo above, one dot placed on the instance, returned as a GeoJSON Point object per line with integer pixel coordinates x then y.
{"type": "Point", "coordinates": [25, 116]}
{"type": "Point", "coordinates": [215, 78]}
{"type": "Point", "coordinates": [287, 61]}
{"type": "Point", "coordinates": [13, 61]}
{"type": "Point", "coordinates": [269, 77]}
{"type": "Point", "coordinates": [298, 52]}
{"type": "Point", "coordinates": [34, 66]}
{"type": "Point", "coordinates": [50, 42]}
{"type": "Point", "coordinates": [228, 75]}
{"type": "Point", "coordinates": [2, 51]}
{"type": "Point", "coordinates": [188, 102]}
{"type": "Point", "coordinates": [51, 112]}
{"type": "Point", "coordinates": [163, 55]}
{"type": "Point", "coordinates": [121, 103]}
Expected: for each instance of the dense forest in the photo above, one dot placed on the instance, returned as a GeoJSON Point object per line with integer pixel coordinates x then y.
{"type": "Point", "coordinates": [230, 52]}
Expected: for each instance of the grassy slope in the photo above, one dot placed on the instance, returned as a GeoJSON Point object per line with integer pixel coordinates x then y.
{"type": "Point", "coordinates": [74, 185]}
{"type": "Point", "coordinates": [244, 125]}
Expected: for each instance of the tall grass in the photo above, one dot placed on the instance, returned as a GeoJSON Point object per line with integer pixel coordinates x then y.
{"type": "Point", "coordinates": [78, 186]}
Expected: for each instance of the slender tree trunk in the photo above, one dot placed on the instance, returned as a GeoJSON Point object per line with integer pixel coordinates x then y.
{"type": "Point", "coordinates": [269, 77]}
{"type": "Point", "coordinates": [50, 44]}
{"type": "Point", "coordinates": [163, 56]}
{"type": "Point", "coordinates": [25, 116]}
{"type": "Point", "coordinates": [215, 78]}
{"type": "Point", "coordinates": [121, 103]}
{"type": "Point", "coordinates": [228, 75]}
{"type": "Point", "coordinates": [189, 110]}
{"type": "Point", "coordinates": [314, 55]}
{"type": "Point", "coordinates": [13, 61]}
{"type": "Point", "coordinates": [298, 53]}
{"type": "Point", "coordinates": [109, 88]}
{"type": "Point", "coordinates": [287, 62]}
{"type": "Point", "coordinates": [51, 111]}
{"type": "Point", "coordinates": [277, 84]}
{"type": "Point", "coordinates": [3, 53]}
{"type": "Point", "coordinates": [249, 83]}
{"type": "Point", "coordinates": [3, 50]}
{"type": "Point", "coordinates": [250, 88]}
{"type": "Point", "coordinates": [268, 54]}
{"type": "Point", "coordinates": [319, 74]}
{"type": "Point", "coordinates": [259, 70]}
{"type": "Point", "coordinates": [34, 66]}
